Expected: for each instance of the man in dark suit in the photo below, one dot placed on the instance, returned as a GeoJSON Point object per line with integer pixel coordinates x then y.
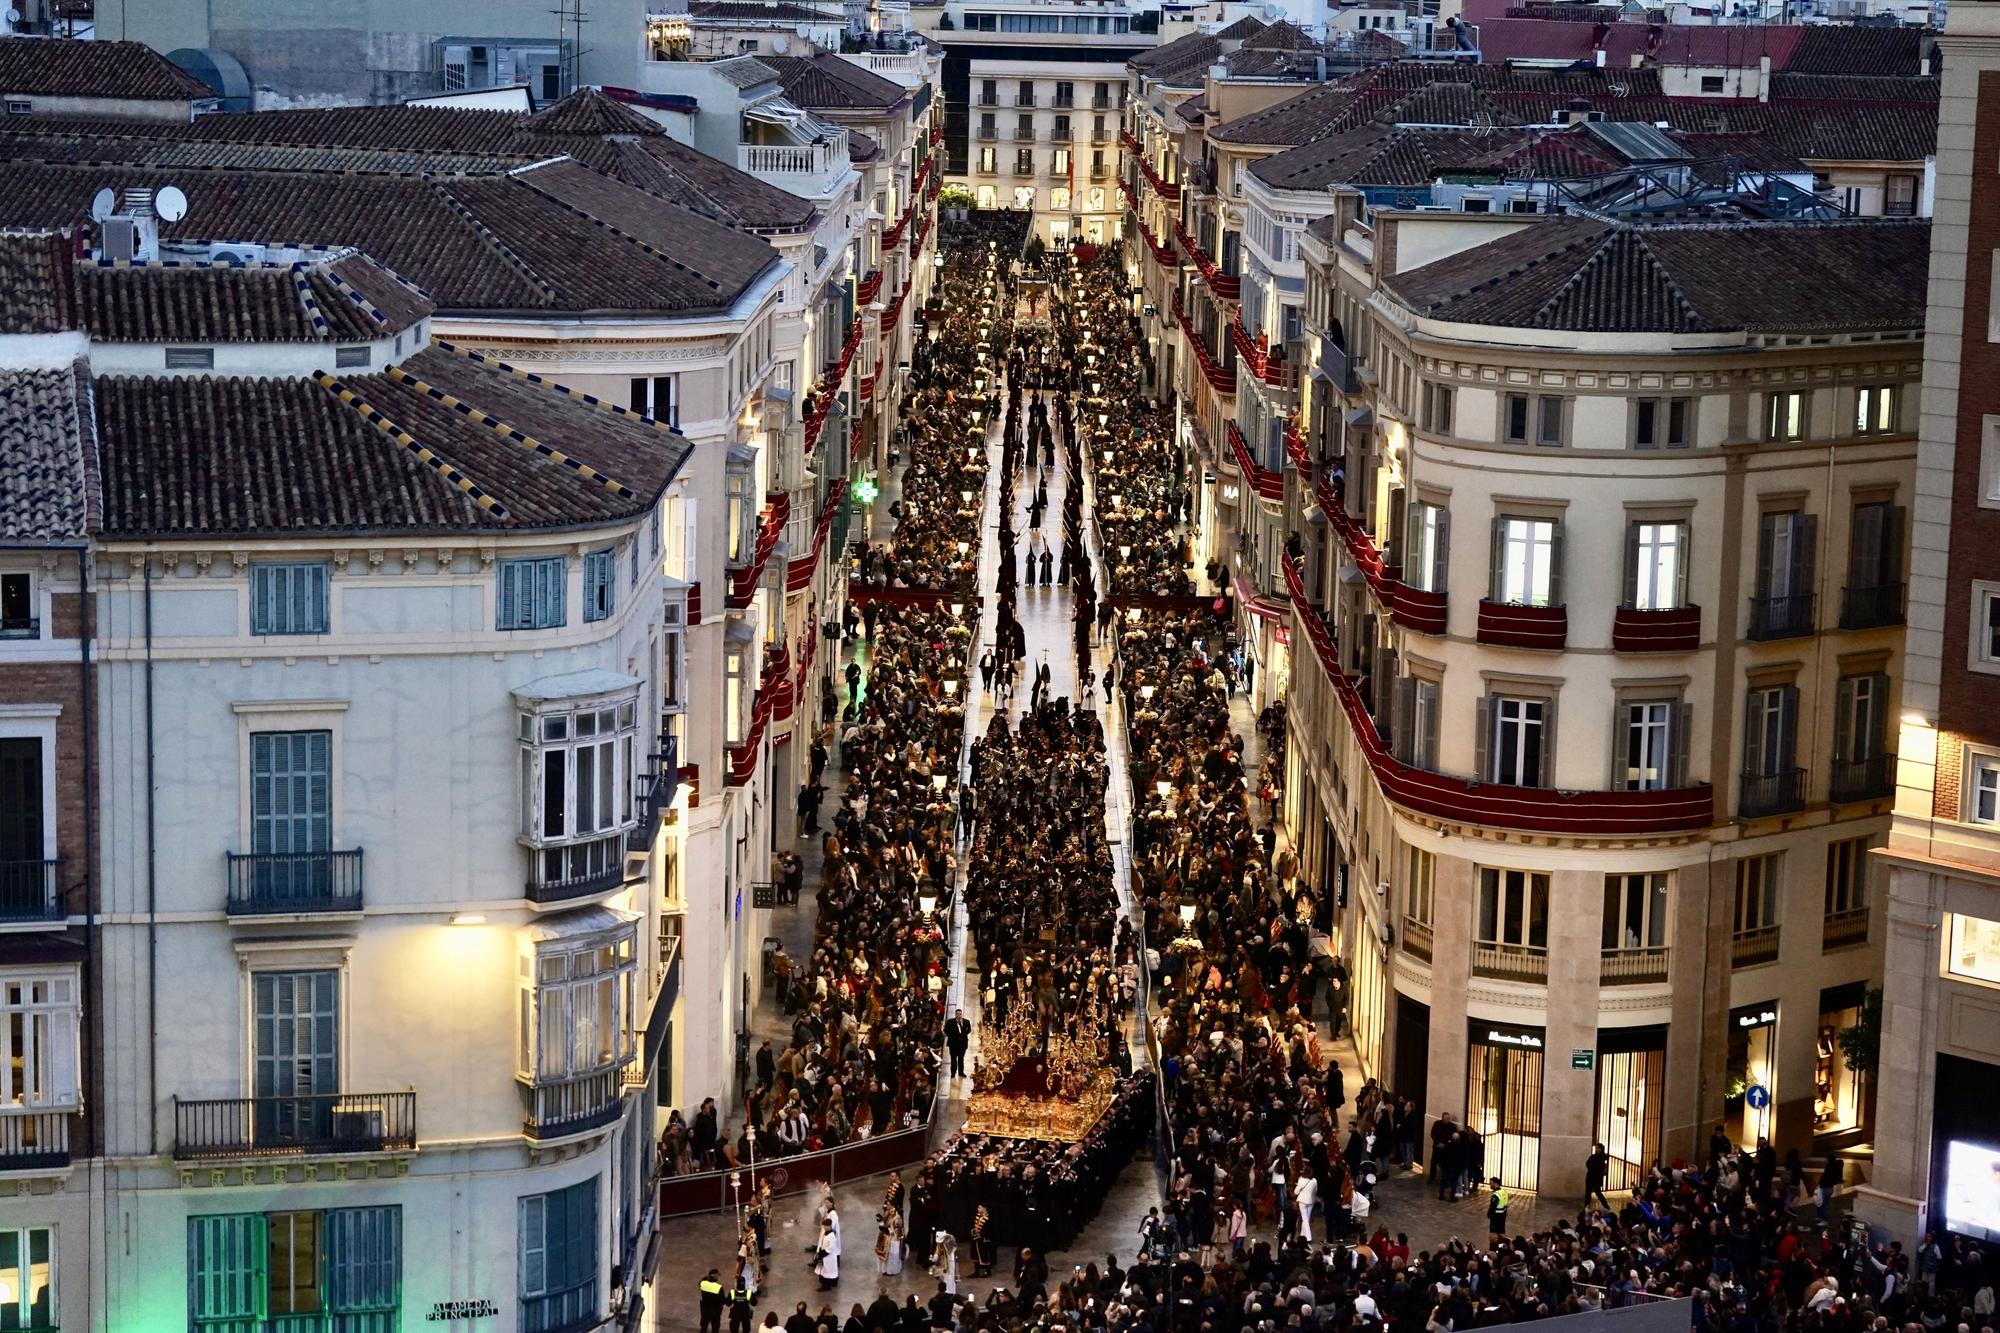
{"type": "Point", "coordinates": [957, 1036]}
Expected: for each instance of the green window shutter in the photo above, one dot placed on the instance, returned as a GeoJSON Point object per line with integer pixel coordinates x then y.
{"type": "Point", "coordinates": [534, 1261]}
{"type": "Point", "coordinates": [227, 1285]}
{"type": "Point", "coordinates": [597, 585]}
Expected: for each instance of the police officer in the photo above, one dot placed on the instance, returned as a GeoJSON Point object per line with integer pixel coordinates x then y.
{"type": "Point", "coordinates": [740, 1298]}
{"type": "Point", "coordinates": [711, 1302]}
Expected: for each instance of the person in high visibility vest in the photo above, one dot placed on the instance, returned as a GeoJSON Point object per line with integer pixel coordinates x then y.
{"type": "Point", "coordinates": [741, 1298]}
{"type": "Point", "coordinates": [1496, 1214]}
{"type": "Point", "coordinates": [712, 1300]}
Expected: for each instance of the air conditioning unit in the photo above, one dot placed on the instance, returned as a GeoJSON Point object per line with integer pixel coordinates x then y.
{"type": "Point", "coordinates": [357, 1126]}
{"type": "Point", "coordinates": [236, 254]}
{"type": "Point", "coordinates": [121, 238]}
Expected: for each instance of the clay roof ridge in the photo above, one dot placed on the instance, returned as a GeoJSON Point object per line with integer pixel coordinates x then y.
{"type": "Point", "coordinates": [627, 236]}
{"type": "Point", "coordinates": [499, 247]}
{"type": "Point", "coordinates": [509, 432]}
{"type": "Point", "coordinates": [443, 467]}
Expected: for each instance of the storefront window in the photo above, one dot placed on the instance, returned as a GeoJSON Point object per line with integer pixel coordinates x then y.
{"type": "Point", "coordinates": [1631, 1095]}
{"type": "Point", "coordinates": [1838, 1092]}
{"type": "Point", "coordinates": [1503, 1100]}
{"type": "Point", "coordinates": [1974, 951]}
{"type": "Point", "coordinates": [1750, 1105]}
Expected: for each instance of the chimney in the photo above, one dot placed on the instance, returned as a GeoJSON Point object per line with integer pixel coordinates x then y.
{"type": "Point", "coordinates": [1385, 247]}
{"type": "Point", "coordinates": [1764, 78]}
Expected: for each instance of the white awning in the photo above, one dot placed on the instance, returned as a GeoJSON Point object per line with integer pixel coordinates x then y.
{"type": "Point", "coordinates": [584, 921]}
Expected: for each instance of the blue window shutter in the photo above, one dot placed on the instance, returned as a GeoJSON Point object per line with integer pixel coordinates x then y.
{"type": "Point", "coordinates": [507, 613]}
{"type": "Point", "coordinates": [550, 576]}
{"type": "Point", "coordinates": [364, 1266]}
{"type": "Point", "coordinates": [597, 584]}
{"type": "Point", "coordinates": [534, 1262]}
{"type": "Point", "coordinates": [289, 598]}
{"type": "Point", "coordinates": [291, 791]}
{"type": "Point", "coordinates": [227, 1287]}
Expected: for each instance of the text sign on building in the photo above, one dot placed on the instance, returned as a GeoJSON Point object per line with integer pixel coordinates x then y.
{"type": "Point", "coordinates": [443, 1312]}
{"type": "Point", "coordinates": [1581, 1057]}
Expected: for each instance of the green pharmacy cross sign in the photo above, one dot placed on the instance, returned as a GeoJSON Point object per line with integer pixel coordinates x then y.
{"type": "Point", "coordinates": [864, 490]}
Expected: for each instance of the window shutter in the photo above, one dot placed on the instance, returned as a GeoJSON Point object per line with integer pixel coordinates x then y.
{"type": "Point", "coordinates": [1788, 728]}
{"type": "Point", "coordinates": [1441, 556]}
{"type": "Point", "coordinates": [1805, 554]}
{"type": "Point", "coordinates": [1556, 545]}
{"type": "Point", "coordinates": [1864, 561]}
{"type": "Point", "coordinates": [554, 576]}
{"type": "Point", "coordinates": [1497, 579]}
{"type": "Point", "coordinates": [534, 1245]}
{"type": "Point", "coordinates": [1767, 538]}
{"type": "Point", "coordinates": [1895, 522]}
{"type": "Point", "coordinates": [263, 760]}
{"type": "Point", "coordinates": [1621, 747]}
{"type": "Point", "coordinates": [1482, 739]}
{"type": "Point", "coordinates": [1683, 548]}
{"type": "Point", "coordinates": [364, 1261]}
{"type": "Point", "coordinates": [507, 598]}
{"type": "Point", "coordinates": [226, 1258]}
{"type": "Point", "coordinates": [1631, 565]}
{"type": "Point", "coordinates": [1434, 697]}
{"type": "Point", "coordinates": [1548, 773]}
{"type": "Point", "coordinates": [1753, 733]}
{"type": "Point", "coordinates": [1401, 717]}
{"type": "Point", "coordinates": [60, 1037]}
{"type": "Point", "coordinates": [1843, 720]}
{"type": "Point", "coordinates": [1871, 742]}
{"type": "Point", "coordinates": [1682, 719]}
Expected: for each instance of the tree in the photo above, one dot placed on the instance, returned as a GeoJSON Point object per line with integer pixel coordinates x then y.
{"type": "Point", "coordinates": [1862, 1043]}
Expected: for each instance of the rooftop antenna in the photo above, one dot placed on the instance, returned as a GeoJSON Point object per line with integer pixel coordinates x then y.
{"type": "Point", "coordinates": [570, 18]}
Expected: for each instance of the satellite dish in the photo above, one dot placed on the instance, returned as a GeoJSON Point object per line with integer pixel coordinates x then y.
{"type": "Point", "coordinates": [780, 44]}
{"type": "Point", "coordinates": [102, 206]}
{"type": "Point", "coordinates": [170, 203]}
{"type": "Point", "coordinates": [13, 17]}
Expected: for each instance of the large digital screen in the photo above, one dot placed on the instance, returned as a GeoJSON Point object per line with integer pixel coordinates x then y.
{"type": "Point", "coordinates": [1972, 1189]}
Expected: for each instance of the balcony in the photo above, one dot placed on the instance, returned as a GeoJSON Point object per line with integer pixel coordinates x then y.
{"type": "Point", "coordinates": [578, 870]}
{"type": "Point", "coordinates": [28, 891]}
{"type": "Point", "coordinates": [1871, 607]}
{"type": "Point", "coordinates": [1633, 967]}
{"type": "Point", "coordinates": [1419, 610]}
{"type": "Point", "coordinates": [1267, 482]}
{"type": "Point", "coordinates": [321, 1124]}
{"type": "Point", "coordinates": [807, 170]}
{"type": "Point", "coordinates": [1227, 286]}
{"type": "Point", "coordinates": [987, 133]}
{"type": "Point", "coordinates": [574, 1105]}
{"type": "Point", "coordinates": [987, 99]}
{"type": "Point", "coordinates": [1337, 366]}
{"type": "Point", "coordinates": [1672, 631]}
{"type": "Point", "coordinates": [1511, 962]}
{"type": "Point", "coordinates": [1787, 617]}
{"type": "Point", "coordinates": [1843, 929]}
{"type": "Point", "coordinates": [909, 68]}
{"type": "Point", "coordinates": [1027, 101]}
{"type": "Point", "coordinates": [570, 1310]}
{"type": "Point", "coordinates": [34, 1140]}
{"type": "Point", "coordinates": [1748, 948]}
{"type": "Point", "coordinates": [1869, 779]}
{"type": "Point", "coordinates": [1417, 938]}
{"type": "Point", "coordinates": [1100, 104]}
{"type": "Point", "coordinates": [1600, 814]}
{"type": "Point", "coordinates": [1511, 625]}
{"type": "Point", "coordinates": [1772, 794]}
{"type": "Point", "coordinates": [656, 794]}
{"type": "Point", "coordinates": [294, 883]}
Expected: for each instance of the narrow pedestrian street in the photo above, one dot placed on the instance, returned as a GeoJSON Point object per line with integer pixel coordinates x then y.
{"type": "Point", "coordinates": [1045, 611]}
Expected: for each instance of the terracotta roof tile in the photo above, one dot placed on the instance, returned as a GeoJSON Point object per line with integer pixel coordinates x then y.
{"type": "Point", "coordinates": [825, 82]}
{"type": "Point", "coordinates": [48, 457]}
{"type": "Point", "coordinates": [131, 71]}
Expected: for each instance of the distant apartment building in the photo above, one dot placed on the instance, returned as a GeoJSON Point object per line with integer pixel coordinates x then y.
{"type": "Point", "coordinates": [1033, 93]}
{"type": "Point", "coordinates": [1937, 1141]}
{"type": "Point", "coordinates": [1594, 605]}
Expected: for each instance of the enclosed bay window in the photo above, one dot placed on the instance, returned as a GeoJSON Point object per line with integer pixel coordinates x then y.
{"type": "Point", "coordinates": [1429, 542]}
{"type": "Point", "coordinates": [1527, 561]}
{"type": "Point", "coordinates": [578, 761]}
{"type": "Point", "coordinates": [40, 1014]}
{"type": "Point", "coordinates": [576, 1000]}
{"type": "Point", "coordinates": [739, 682]}
{"type": "Point", "coordinates": [1656, 566]}
{"type": "Point", "coordinates": [740, 499]}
